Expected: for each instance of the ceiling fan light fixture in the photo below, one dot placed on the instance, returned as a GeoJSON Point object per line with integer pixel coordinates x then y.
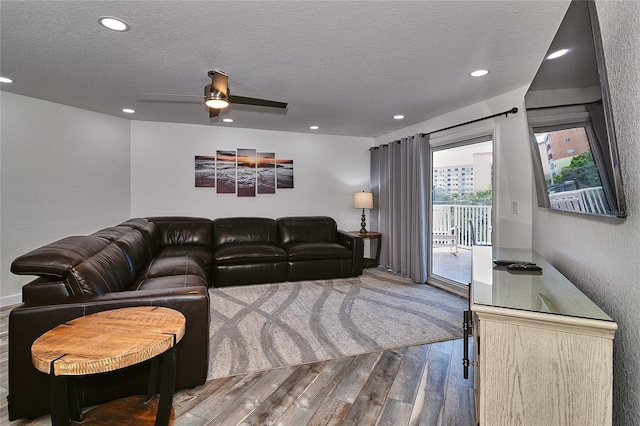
{"type": "Point", "coordinates": [216, 101]}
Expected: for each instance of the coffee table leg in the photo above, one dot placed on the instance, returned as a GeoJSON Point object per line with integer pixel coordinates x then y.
{"type": "Point", "coordinates": [167, 386]}
{"type": "Point", "coordinates": [74, 404]}
{"type": "Point", "coordinates": [59, 400]}
{"type": "Point", "coordinates": [152, 384]}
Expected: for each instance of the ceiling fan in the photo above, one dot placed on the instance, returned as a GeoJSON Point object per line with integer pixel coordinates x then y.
{"type": "Point", "coordinates": [217, 95]}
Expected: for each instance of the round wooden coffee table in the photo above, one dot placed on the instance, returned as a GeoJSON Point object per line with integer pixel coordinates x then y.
{"type": "Point", "coordinates": [107, 341]}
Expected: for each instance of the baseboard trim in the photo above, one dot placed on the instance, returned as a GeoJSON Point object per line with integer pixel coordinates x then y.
{"type": "Point", "coordinates": [13, 299]}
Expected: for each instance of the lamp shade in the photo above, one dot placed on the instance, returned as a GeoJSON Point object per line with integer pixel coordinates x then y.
{"type": "Point", "coordinates": [363, 200]}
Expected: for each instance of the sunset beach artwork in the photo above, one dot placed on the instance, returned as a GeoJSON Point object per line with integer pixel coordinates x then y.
{"type": "Point", "coordinates": [226, 172]}
{"type": "Point", "coordinates": [205, 171]}
{"type": "Point", "coordinates": [284, 173]}
{"type": "Point", "coordinates": [246, 172]}
{"type": "Point", "coordinates": [266, 173]}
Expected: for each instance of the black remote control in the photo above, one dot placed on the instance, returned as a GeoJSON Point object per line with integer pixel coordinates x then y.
{"type": "Point", "coordinates": [501, 262]}
{"type": "Point", "coordinates": [523, 267]}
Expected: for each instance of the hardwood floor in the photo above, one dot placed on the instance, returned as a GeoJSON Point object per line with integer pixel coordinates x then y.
{"type": "Point", "coordinates": [418, 385]}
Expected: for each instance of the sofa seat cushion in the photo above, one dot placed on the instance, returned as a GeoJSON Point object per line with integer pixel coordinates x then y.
{"type": "Point", "coordinates": [249, 273]}
{"type": "Point", "coordinates": [174, 266]}
{"type": "Point", "coordinates": [238, 254]}
{"type": "Point", "coordinates": [201, 253]}
{"type": "Point", "coordinates": [312, 251]}
{"type": "Point", "coordinates": [165, 283]}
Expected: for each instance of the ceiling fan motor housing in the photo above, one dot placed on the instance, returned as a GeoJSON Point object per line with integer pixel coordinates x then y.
{"type": "Point", "coordinates": [216, 94]}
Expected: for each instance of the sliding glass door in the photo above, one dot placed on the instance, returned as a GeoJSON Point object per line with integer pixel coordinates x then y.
{"type": "Point", "coordinates": [461, 207]}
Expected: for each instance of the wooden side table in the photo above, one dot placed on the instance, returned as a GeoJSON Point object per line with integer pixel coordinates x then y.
{"type": "Point", "coordinates": [371, 262]}
{"type": "Point", "coordinates": [108, 341]}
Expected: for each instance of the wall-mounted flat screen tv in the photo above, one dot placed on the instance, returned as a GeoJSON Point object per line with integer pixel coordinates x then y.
{"type": "Point", "coordinates": [573, 140]}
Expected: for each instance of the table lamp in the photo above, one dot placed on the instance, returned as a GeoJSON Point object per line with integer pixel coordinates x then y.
{"type": "Point", "coordinates": [363, 200]}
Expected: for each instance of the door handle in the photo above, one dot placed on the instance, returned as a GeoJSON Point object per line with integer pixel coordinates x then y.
{"type": "Point", "coordinates": [467, 329]}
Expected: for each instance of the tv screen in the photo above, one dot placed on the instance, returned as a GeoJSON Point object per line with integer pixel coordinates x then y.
{"type": "Point", "coordinates": [572, 133]}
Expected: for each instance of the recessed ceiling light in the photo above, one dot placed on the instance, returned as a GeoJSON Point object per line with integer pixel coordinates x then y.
{"type": "Point", "coordinates": [5, 80]}
{"type": "Point", "coordinates": [112, 23]}
{"type": "Point", "coordinates": [128, 110]}
{"type": "Point", "coordinates": [314, 127]}
{"type": "Point", "coordinates": [479, 73]}
{"type": "Point", "coordinates": [557, 54]}
{"type": "Point", "coordinates": [398, 117]}
{"type": "Point", "coordinates": [228, 120]}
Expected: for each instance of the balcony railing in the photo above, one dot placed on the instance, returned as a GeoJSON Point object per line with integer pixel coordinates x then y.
{"type": "Point", "coordinates": [459, 217]}
{"type": "Point", "coordinates": [587, 200]}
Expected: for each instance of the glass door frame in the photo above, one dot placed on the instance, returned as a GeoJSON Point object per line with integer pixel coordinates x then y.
{"type": "Point", "coordinates": [440, 144]}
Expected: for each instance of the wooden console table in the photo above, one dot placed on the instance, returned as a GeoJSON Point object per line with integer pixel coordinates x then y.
{"type": "Point", "coordinates": [108, 341]}
{"type": "Point", "coordinates": [543, 350]}
{"type": "Point", "coordinates": [371, 262]}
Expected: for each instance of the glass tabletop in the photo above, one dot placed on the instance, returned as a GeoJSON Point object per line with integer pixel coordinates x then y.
{"type": "Point", "coordinates": [547, 291]}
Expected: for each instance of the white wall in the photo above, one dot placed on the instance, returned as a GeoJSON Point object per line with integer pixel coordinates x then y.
{"type": "Point", "coordinates": [327, 171]}
{"type": "Point", "coordinates": [65, 171]}
{"type": "Point", "coordinates": [601, 255]}
{"type": "Point", "coordinates": [512, 161]}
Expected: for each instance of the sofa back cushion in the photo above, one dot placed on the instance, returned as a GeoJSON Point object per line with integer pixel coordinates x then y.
{"type": "Point", "coordinates": [306, 229]}
{"type": "Point", "coordinates": [149, 230]}
{"type": "Point", "coordinates": [135, 249]}
{"type": "Point", "coordinates": [58, 258]}
{"type": "Point", "coordinates": [153, 237]}
{"type": "Point", "coordinates": [136, 223]}
{"type": "Point", "coordinates": [244, 230]}
{"type": "Point", "coordinates": [107, 271]}
{"type": "Point", "coordinates": [112, 233]}
{"type": "Point", "coordinates": [184, 230]}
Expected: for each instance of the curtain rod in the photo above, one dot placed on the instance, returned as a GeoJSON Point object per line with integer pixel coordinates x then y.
{"type": "Point", "coordinates": [598, 102]}
{"type": "Point", "coordinates": [505, 113]}
{"type": "Point", "coordinates": [513, 110]}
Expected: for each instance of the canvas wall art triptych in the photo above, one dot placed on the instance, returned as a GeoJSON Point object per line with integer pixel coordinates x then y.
{"type": "Point", "coordinates": [244, 172]}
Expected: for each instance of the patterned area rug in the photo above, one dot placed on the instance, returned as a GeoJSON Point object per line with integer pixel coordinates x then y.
{"type": "Point", "coordinates": [260, 327]}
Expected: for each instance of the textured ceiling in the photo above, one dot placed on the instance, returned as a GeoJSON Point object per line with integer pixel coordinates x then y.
{"type": "Point", "coordinates": [346, 66]}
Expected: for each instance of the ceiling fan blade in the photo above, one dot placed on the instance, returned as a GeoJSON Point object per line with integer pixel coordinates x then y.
{"type": "Point", "coordinates": [213, 113]}
{"type": "Point", "coordinates": [168, 94]}
{"type": "Point", "coordinates": [258, 102]}
{"type": "Point", "coordinates": [170, 101]}
{"type": "Point", "coordinates": [219, 82]}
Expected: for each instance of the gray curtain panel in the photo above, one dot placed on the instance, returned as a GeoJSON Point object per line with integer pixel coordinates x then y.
{"type": "Point", "coordinates": [399, 183]}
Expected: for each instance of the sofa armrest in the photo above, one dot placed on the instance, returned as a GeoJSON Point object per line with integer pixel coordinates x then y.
{"type": "Point", "coordinates": [356, 245]}
{"type": "Point", "coordinates": [29, 389]}
{"type": "Point", "coordinates": [45, 291]}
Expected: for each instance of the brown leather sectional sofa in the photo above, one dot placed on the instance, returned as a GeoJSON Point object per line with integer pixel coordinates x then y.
{"type": "Point", "coordinates": [159, 261]}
